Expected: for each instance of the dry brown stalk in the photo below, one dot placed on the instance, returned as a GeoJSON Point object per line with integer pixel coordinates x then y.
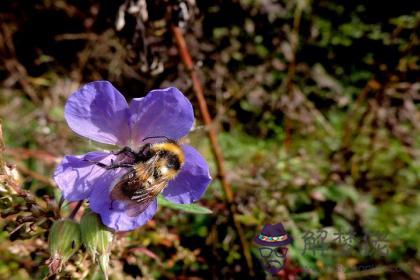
{"type": "Point", "coordinates": [212, 134]}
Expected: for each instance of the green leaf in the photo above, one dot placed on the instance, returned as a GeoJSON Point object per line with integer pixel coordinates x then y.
{"type": "Point", "coordinates": [190, 208]}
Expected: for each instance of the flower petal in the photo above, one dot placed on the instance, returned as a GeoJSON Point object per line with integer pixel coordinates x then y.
{"type": "Point", "coordinates": [76, 177]}
{"type": "Point", "coordinates": [99, 112]}
{"type": "Point", "coordinates": [162, 112]}
{"type": "Point", "coordinates": [113, 213]}
{"type": "Point", "coordinates": [192, 181]}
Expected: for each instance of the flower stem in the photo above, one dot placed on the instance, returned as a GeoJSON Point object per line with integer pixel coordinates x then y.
{"type": "Point", "coordinates": [216, 149]}
{"type": "Point", "coordinates": [60, 203]}
{"type": "Point", "coordinates": [76, 209]}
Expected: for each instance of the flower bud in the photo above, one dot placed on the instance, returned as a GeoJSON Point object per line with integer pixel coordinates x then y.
{"type": "Point", "coordinates": [97, 239]}
{"type": "Point", "coordinates": [63, 241]}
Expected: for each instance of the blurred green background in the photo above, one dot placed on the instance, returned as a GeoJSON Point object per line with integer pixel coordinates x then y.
{"type": "Point", "coordinates": [316, 105]}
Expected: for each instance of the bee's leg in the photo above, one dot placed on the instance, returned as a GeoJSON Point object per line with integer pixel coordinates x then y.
{"type": "Point", "coordinates": [144, 153]}
{"type": "Point", "coordinates": [126, 151]}
{"type": "Point", "coordinates": [97, 163]}
{"type": "Point", "coordinates": [112, 166]}
{"type": "Point", "coordinates": [118, 165]}
{"type": "Point", "coordinates": [125, 165]}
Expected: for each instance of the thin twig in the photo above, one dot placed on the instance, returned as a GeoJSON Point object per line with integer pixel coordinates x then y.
{"type": "Point", "coordinates": [22, 153]}
{"type": "Point", "coordinates": [13, 66]}
{"type": "Point", "coordinates": [2, 148]}
{"type": "Point", "coordinates": [35, 175]}
{"type": "Point", "coordinates": [60, 203]}
{"type": "Point", "coordinates": [294, 41]}
{"type": "Point", "coordinates": [76, 209]}
{"type": "Point", "coordinates": [212, 134]}
{"type": "Point", "coordinates": [290, 86]}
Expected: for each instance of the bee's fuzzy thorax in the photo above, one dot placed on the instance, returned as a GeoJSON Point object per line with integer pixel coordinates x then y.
{"type": "Point", "coordinates": [173, 148]}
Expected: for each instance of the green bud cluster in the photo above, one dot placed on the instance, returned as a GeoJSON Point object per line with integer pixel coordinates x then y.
{"type": "Point", "coordinates": [97, 239]}
{"type": "Point", "coordinates": [64, 240]}
{"type": "Point", "coordinates": [66, 237]}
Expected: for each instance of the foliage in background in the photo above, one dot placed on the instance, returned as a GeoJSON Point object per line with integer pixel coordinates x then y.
{"type": "Point", "coordinates": [316, 102]}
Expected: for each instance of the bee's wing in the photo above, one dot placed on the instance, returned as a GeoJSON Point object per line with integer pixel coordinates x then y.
{"type": "Point", "coordinates": [135, 190]}
{"type": "Point", "coordinates": [143, 197]}
{"type": "Point", "coordinates": [133, 180]}
{"type": "Point", "coordinates": [127, 185]}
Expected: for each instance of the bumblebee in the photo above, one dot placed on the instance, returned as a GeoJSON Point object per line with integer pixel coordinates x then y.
{"type": "Point", "coordinates": [150, 170]}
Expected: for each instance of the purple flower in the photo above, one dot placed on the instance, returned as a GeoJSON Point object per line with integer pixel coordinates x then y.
{"type": "Point", "coordinates": [100, 112]}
